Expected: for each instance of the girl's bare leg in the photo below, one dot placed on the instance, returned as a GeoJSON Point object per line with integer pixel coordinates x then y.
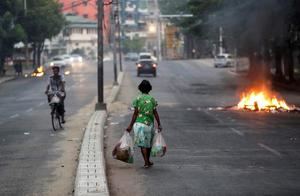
{"type": "Point", "coordinates": [145, 156]}
{"type": "Point", "coordinates": [148, 155]}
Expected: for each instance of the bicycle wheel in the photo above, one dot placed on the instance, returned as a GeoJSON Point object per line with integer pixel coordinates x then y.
{"type": "Point", "coordinates": [56, 124]}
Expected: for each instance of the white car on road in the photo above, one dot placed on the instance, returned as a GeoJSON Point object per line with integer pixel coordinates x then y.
{"type": "Point", "coordinates": [223, 60]}
{"type": "Point", "coordinates": [61, 61]}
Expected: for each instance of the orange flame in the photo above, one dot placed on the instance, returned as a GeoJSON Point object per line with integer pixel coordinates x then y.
{"type": "Point", "coordinates": [39, 72]}
{"type": "Point", "coordinates": [258, 101]}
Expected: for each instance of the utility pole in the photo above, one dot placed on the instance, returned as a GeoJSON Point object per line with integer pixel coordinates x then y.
{"type": "Point", "coordinates": [221, 41]}
{"type": "Point", "coordinates": [26, 40]}
{"type": "Point", "coordinates": [158, 29]}
{"type": "Point", "coordinates": [113, 32]}
{"type": "Point", "coordinates": [119, 34]}
{"type": "Point", "coordinates": [100, 105]}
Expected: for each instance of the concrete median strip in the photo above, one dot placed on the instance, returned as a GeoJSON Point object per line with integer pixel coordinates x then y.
{"type": "Point", "coordinates": [91, 175]}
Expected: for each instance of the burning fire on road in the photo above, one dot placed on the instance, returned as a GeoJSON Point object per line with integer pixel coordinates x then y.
{"type": "Point", "coordinates": [263, 100]}
{"type": "Point", "coordinates": [39, 72]}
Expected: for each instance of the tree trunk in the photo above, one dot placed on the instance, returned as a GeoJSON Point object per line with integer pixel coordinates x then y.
{"type": "Point", "coordinates": [34, 55]}
{"type": "Point", "coordinates": [39, 53]}
{"type": "Point", "coordinates": [278, 63]}
{"type": "Point", "coordinates": [290, 61]}
{"type": "Point", "coordinates": [2, 60]}
{"type": "Point", "coordinates": [267, 65]}
{"type": "Point", "coordinates": [252, 64]}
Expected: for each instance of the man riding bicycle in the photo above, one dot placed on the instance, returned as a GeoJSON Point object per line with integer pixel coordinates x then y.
{"type": "Point", "coordinates": [57, 84]}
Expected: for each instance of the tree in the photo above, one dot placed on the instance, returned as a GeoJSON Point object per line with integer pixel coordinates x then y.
{"type": "Point", "coordinates": [43, 20]}
{"type": "Point", "coordinates": [134, 45]}
{"type": "Point", "coordinates": [11, 31]}
{"type": "Point", "coordinates": [249, 26]}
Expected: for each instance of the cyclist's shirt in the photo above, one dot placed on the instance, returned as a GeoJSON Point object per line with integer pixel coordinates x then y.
{"type": "Point", "coordinates": [56, 82]}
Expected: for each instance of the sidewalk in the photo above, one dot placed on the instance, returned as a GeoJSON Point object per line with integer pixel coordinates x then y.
{"type": "Point", "coordinates": [10, 75]}
{"type": "Point", "coordinates": [6, 78]}
{"type": "Point", "coordinates": [91, 172]}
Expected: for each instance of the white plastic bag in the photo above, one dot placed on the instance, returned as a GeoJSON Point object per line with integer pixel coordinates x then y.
{"type": "Point", "coordinates": [159, 146]}
{"type": "Point", "coordinates": [123, 150]}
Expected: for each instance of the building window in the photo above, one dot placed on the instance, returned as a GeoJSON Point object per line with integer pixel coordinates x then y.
{"type": "Point", "coordinates": [85, 3]}
{"type": "Point", "coordinates": [91, 31]}
{"type": "Point", "coordinates": [85, 15]}
{"type": "Point", "coordinates": [77, 31]}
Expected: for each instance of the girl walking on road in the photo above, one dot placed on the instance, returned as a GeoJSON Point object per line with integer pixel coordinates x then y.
{"type": "Point", "coordinates": [142, 121]}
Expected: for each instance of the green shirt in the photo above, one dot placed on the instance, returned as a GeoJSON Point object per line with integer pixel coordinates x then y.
{"type": "Point", "coordinates": [145, 104]}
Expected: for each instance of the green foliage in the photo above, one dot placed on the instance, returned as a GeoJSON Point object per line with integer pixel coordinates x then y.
{"type": "Point", "coordinates": [43, 20]}
{"type": "Point", "coordinates": [134, 45]}
{"type": "Point", "coordinates": [11, 31]}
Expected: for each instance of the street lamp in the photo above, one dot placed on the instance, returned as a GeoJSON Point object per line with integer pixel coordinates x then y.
{"type": "Point", "coordinates": [152, 28]}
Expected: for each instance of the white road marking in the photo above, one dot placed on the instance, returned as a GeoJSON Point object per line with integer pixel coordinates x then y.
{"type": "Point", "coordinates": [114, 123]}
{"type": "Point", "coordinates": [273, 151]}
{"type": "Point", "coordinates": [29, 110]}
{"type": "Point", "coordinates": [14, 116]}
{"type": "Point", "coordinates": [188, 109]}
{"type": "Point", "coordinates": [237, 132]}
{"type": "Point", "coordinates": [42, 103]}
{"type": "Point", "coordinates": [26, 133]}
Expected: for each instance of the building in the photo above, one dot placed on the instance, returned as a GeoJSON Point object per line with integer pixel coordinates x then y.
{"type": "Point", "coordinates": [80, 36]}
{"type": "Point", "coordinates": [84, 8]}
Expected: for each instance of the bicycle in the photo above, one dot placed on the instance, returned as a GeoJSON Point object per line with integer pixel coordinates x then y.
{"type": "Point", "coordinates": [54, 103]}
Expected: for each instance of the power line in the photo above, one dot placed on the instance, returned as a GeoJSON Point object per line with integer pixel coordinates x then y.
{"type": "Point", "coordinates": [84, 2]}
{"type": "Point", "coordinates": [76, 4]}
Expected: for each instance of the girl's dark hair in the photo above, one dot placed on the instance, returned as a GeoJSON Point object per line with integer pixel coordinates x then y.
{"type": "Point", "coordinates": [145, 86]}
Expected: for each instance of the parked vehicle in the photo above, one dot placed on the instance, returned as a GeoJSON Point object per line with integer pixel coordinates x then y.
{"type": "Point", "coordinates": [146, 66]}
{"type": "Point", "coordinates": [223, 60]}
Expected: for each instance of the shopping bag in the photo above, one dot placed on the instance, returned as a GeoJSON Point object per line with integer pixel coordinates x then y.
{"type": "Point", "coordinates": [123, 150]}
{"type": "Point", "coordinates": [159, 146]}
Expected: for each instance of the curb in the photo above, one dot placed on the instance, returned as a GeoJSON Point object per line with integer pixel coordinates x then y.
{"type": "Point", "coordinates": [6, 79]}
{"type": "Point", "coordinates": [91, 178]}
{"type": "Point", "coordinates": [114, 91]}
{"type": "Point", "coordinates": [91, 173]}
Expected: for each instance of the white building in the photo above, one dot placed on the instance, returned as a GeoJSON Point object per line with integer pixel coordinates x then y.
{"type": "Point", "coordinates": [80, 35]}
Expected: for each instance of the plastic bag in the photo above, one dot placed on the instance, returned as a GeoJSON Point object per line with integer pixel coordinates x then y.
{"type": "Point", "coordinates": [159, 146]}
{"type": "Point", "coordinates": [123, 150]}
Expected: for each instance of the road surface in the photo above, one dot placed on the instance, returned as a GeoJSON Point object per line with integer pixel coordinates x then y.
{"type": "Point", "coordinates": [210, 152]}
{"type": "Point", "coordinates": [35, 160]}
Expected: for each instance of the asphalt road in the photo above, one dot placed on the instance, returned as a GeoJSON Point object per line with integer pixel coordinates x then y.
{"type": "Point", "coordinates": [29, 148]}
{"type": "Point", "coordinates": [210, 152]}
